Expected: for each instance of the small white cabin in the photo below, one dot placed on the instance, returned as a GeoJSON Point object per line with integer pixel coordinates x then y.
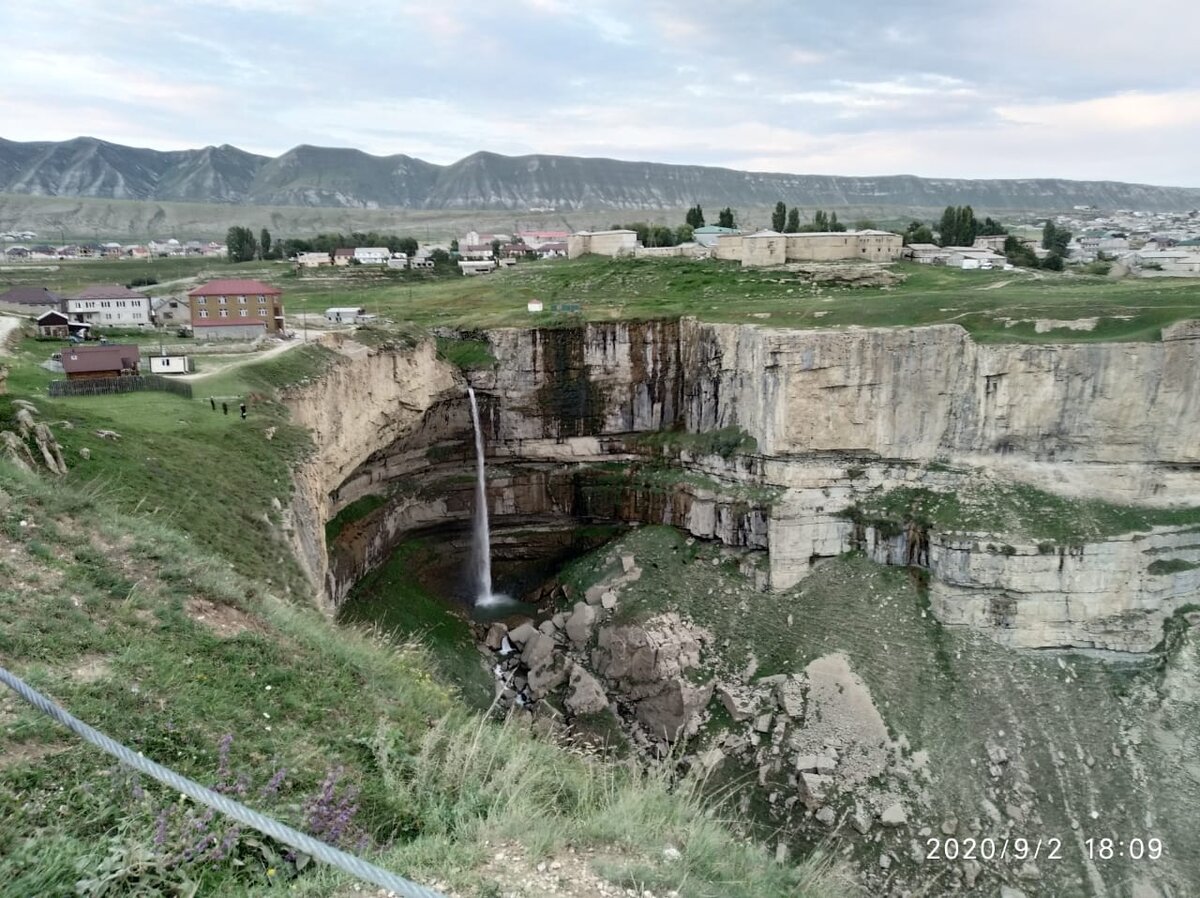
{"type": "Point", "coordinates": [170, 364]}
{"type": "Point", "coordinates": [344, 314]}
{"type": "Point", "coordinates": [534, 305]}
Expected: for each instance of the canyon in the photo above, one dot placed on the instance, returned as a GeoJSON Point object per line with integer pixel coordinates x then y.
{"type": "Point", "coordinates": [908, 583]}
{"type": "Point", "coordinates": [604, 422]}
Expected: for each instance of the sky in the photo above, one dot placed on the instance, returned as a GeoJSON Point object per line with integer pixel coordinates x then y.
{"type": "Point", "coordinates": [1087, 89]}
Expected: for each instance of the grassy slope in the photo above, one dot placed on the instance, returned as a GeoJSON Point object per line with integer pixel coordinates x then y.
{"type": "Point", "coordinates": [112, 579]}
{"type": "Point", "coordinates": [949, 692]}
{"type": "Point", "coordinates": [992, 305]}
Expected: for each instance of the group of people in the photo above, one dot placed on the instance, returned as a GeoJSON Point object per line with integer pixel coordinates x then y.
{"type": "Point", "coordinates": [225, 407]}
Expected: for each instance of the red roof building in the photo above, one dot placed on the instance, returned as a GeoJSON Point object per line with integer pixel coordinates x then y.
{"type": "Point", "coordinates": [237, 303]}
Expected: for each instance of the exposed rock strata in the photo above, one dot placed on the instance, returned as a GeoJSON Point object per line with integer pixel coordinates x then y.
{"type": "Point", "coordinates": [834, 414]}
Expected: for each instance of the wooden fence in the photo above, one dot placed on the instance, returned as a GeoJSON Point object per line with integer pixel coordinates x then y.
{"type": "Point", "coordinates": [107, 386]}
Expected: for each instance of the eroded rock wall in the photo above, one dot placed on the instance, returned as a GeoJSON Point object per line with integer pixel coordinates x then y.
{"type": "Point", "coordinates": [835, 414]}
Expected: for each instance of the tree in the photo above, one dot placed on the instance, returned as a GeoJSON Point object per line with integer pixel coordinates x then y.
{"type": "Point", "coordinates": [495, 249]}
{"type": "Point", "coordinates": [864, 224]}
{"type": "Point", "coordinates": [779, 217]}
{"type": "Point", "coordinates": [793, 221]}
{"type": "Point", "coordinates": [834, 224]}
{"type": "Point", "coordinates": [408, 246]}
{"type": "Point", "coordinates": [439, 256]}
{"type": "Point", "coordinates": [264, 244]}
{"type": "Point", "coordinates": [662, 235]}
{"type": "Point", "coordinates": [1055, 239]}
{"type": "Point", "coordinates": [1020, 254]}
{"type": "Point", "coordinates": [917, 232]}
{"type": "Point", "coordinates": [958, 226]}
{"type": "Point", "coordinates": [1053, 262]}
{"type": "Point", "coordinates": [992, 228]}
{"type": "Point", "coordinates": [725, 218]}
{"type": "Point", "coordinates": [240, 244]}
{"type": "Point", "coordinates": [453, 245]}
{"type": "Point", "coordinates": [695, 217]}
{"type": "Point", "coordinates": [685, 233]}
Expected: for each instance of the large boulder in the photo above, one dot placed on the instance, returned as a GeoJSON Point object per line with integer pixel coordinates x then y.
{"type": "Point", "coordinates": [674, 711]}
{"type": "Point", "coordinates": [538, 648]}
{"type": "Point", "coordinates": [586, 695]}
{"type": "Point", "coordinates": [579, 624]}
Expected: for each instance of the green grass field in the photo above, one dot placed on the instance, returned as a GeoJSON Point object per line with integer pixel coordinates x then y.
{"type": "Point", "coordinates": [992, 305]}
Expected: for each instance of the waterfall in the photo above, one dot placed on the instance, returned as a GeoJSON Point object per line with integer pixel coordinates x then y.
{"type": "Point", "coordinates": [481, 548]}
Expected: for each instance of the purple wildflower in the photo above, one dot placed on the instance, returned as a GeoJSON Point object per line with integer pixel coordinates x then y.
{"type": "Point", "coordinates": [271, 789]}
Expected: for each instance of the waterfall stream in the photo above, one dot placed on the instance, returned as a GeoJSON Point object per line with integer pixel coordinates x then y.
{"type": "Point", "coordinates": [481, 549]}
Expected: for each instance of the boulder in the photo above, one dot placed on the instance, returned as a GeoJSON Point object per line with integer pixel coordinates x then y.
{"type": "Point", "coordinates": [826, 815]}
{"type": "Point", "coordinates": [627, 563]}
{"type": "Point", "coordinates": [579, 624]}
{"type": "Point", "coordinates": [893, 815]}
{"type": "Point", "coordinates": [495, 636]}
{"type": "Point", "coordinates": [815, 789]}
{"type": "Point", "coordinates": [790, 696]}
{"type": "Point", "coordinates": [740, 706]}
{"type": "Point", "coordinates": [548, 675]}
{"type": "Point", "coordinates": [806, 763]}
{"type": "Point", "coordinates": [586, 695]}
{"type": "Point", "coordinates": [673, 711]}
{"type": "Point", "coordinates": [520, 635]}
{"type": "Point", "coordinates": [608, 600]}
{"type": "Point", "coordinates": [538, 649]}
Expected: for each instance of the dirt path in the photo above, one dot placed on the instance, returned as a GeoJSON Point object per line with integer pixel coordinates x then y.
{"type": "Point", "coordinates": [250, 358]}
{"type": "Point", "coordinates": [8, 324]}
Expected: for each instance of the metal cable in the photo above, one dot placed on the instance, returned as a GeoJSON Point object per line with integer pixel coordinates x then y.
{"type": "Point", "coordinates": [327, 853]}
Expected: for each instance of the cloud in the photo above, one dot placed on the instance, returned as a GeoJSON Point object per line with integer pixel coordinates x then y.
{"type": "Point", "coordinates": [1019, 89]}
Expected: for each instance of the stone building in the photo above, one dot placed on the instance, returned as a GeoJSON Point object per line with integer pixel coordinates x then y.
{"type": "Point", "coordinates": [617, 242]}
{"type": "Point", "coordinates": [766, 248]}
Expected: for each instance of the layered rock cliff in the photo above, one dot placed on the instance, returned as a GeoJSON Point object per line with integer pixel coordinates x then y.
{"type": "Point", "coordinates": [836, 416]}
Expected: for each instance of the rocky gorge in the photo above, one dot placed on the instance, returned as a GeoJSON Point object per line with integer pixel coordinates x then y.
{"type": "Point", "coordinates": [858, 523]}
{"type": "Point", "coordinates": [623, 422]}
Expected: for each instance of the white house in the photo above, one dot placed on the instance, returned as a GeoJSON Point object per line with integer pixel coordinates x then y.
{"type": "Point", "coordinates": [170, 364]}
{"type": "Point", "coordinates": [313, 260]}
{"type": "Point", "coordinates": [482, 266]}
{"type": "Point", "coordinates": [110, 305]}
{"type": "Point", "coordinates": [372, 255]}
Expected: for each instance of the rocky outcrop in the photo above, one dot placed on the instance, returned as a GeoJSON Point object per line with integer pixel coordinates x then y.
{"type": "Point", "coordinates": [367, 401]}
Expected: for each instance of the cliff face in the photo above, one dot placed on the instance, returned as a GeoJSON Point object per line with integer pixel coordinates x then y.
{"type": "Point", "coordinates": [367, 402]}
{"type": "Point", "coordinates": [836, 415]}
{"type": "Point", "coordinates": [923, 393]}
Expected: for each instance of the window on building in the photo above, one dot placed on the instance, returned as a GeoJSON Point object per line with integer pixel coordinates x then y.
{"type": "Point", "coordinates": [204, 313]}
{"type": "Point", "coordinates": [241, 300]}
{"type": "Point", "coordinates": [224, 313]}
{"type": "Point", "coordinates": [221, 300]}
{"type": "Point", "coordinates": [242, 313]}
{"type": "Point", "coordinates": [261, 298]}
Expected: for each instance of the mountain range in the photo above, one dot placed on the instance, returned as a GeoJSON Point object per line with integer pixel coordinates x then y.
{"type": "Point", "coordinates": [325, 177]}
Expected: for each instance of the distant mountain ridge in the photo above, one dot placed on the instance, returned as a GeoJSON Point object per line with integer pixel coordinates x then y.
{"type": "Point", "coordinates": [326, 177]}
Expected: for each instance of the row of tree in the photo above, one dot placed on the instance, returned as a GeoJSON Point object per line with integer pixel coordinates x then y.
{"type": "Point", "coordinates": [787, 221]}
{"type": "Point", "coordinates": [243, 246]}
{"type": "Point", "coordinates": [960, 227]}
{"type": "Point", "coordinates": [695, 217]}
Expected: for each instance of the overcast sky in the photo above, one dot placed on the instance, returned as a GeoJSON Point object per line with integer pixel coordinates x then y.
{"type": "Point", "coordinates": [1093, 89]}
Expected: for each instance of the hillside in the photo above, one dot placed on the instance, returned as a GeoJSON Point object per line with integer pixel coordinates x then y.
{"type": "Point", "coordinates": [347, 178]}
{"type": "Point", "coordinates": [131, 595]}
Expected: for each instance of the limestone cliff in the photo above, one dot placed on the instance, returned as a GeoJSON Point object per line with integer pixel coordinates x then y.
{"type": "Point", "coordinates": [834, 413]}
